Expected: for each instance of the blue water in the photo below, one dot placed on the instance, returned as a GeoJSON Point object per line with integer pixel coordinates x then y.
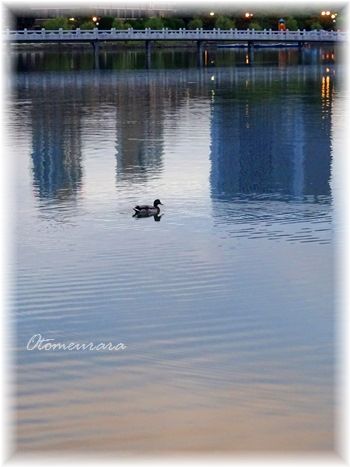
{"type": "Point", "coordinates": [226, 304]}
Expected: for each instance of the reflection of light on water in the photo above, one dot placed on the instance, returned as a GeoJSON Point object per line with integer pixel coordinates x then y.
{"type": "Point", "coordinates": [247, 115]}
{"type": "Point", "coordinates": [212, 78]}
{"type": "Point", "coordinates": [247, 59]}
{"type": "Point", "coordinates": [326, 90]}
{"type": "Point", "coordinates": [328, 57]}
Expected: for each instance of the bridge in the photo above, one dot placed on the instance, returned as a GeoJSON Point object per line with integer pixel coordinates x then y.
{"type": "Point", "coordinates": [249, 37]}
{"type": "Point", "coordinates": [214, 35]}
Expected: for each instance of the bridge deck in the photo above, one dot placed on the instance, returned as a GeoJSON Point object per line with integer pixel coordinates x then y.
{"type": "Point", "coordinates": [235, 35]}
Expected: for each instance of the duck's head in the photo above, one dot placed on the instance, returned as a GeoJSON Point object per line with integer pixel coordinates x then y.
{"type": "Point", "coordinates": [156, 203]}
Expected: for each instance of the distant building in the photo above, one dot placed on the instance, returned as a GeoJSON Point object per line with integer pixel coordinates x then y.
{"type": "Point", "coordinates": [126, 10]}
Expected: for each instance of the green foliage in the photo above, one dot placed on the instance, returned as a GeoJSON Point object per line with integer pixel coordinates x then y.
{"type": "Point", "coordinates": [300, 20]}
{"type": "Point", "coordinates": [223, 22]}
{"type": "Point", "coordinates": [87, 25]}
{"type": "Point", "coordinates": [137, 23]}
{"type": "Point", "coordinates": [291, 24]}
{"type": "Point", "coordinates": [195, 23]}
{"type": "Point", "coordinates": [266, 22]}
{"type": "Point", "coordinates": [120, 24]}
{"type": "Point", "coordinates": [174, 23]}
{"type": "Point", "coordinates": [305, 21]}
{"type": "Point", "coordinates": [105, 22]}
{"type": "Point", "coordinates": [154, 23]}
{"type": "Point", "coordinates": [341, 22]}
{"type": "Point", "coordinates": [316, 25]}
{"type": "Point", "coordinates": [57, 23]}
{"type": "Point", "coordinates": [208, 21]}
{"type": "Point", "coordinates": [255, 25]}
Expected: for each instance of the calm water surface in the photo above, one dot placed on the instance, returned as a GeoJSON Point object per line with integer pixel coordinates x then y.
{"type": "Point", "coordinates": [226, 303]}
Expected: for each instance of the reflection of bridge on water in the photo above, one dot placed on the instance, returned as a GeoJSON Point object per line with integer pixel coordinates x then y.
{"type": "Point", "coordinates": [201, 37]}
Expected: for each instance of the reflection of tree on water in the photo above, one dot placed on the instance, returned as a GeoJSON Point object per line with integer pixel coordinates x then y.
{"type": "Point", "coordinates": [264, 145]}
{"type": "Point", "coordinates": [56, 150]}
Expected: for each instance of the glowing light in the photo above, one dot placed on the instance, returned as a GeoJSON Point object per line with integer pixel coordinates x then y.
{"type": "Point", "coordinates": [323, 13]}
{"type": "Point", "coordinates": [212, 78]}
{"type": "Point", "coordinates": [211, 13]}
{"type": "Point", "coordinates": [333, 16]}
{"type": "Point", "coordinates": [97, 23]}
{"type": "Point", "coordinates": [248, 15]}
{"type": "Point", "coordinates": [94, 19]}
{"type": "Point", "coordinates": [71, 19]}
{"type": "Point", "coordinates": [328, 13]}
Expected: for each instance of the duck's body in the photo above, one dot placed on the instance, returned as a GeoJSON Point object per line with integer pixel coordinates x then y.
{"type": "Point", "coordinates": [146, 210]}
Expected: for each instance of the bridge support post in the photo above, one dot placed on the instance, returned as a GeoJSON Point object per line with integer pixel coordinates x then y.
{"type": "Point", "coordinates": [251, 52]}
{"type": "Point", "coordinates": [148, 46]}
{"type": "Point", "coordinates": [300, 52]}
{"type": "Point", "coordinates": [96, 48]}
{"type": "Point", "coordinates": [200, 53]}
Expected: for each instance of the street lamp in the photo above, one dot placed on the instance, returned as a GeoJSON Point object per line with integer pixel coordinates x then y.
{"type": "Point", "coordinates": [211, 13]}
{"type": "Point", "coordinates": [94, 19]}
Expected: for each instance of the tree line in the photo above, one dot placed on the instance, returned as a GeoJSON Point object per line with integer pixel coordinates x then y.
{"type": "Point", "coordinates": [257, 22]}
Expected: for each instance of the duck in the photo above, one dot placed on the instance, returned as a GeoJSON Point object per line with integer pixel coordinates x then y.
{"type": "Point", "coordinates": [146, 210]}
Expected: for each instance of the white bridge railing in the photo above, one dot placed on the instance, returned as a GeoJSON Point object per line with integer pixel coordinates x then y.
{"type": "Point", "coordinates": [80, 35]}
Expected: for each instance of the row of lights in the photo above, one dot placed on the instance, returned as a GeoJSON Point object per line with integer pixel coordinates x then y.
{"type": "Point", "coordinates": [94, 19]}
{"type": "Point", "coordinates": [247, 15]}
{"type": "Point", "coordinates": [329, 13]}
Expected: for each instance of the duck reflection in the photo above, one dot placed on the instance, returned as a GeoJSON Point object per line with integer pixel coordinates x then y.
{"type": "Point", "coordinates": [261, 144]}
{"type": "Point", "coordinates": [156, 217]}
